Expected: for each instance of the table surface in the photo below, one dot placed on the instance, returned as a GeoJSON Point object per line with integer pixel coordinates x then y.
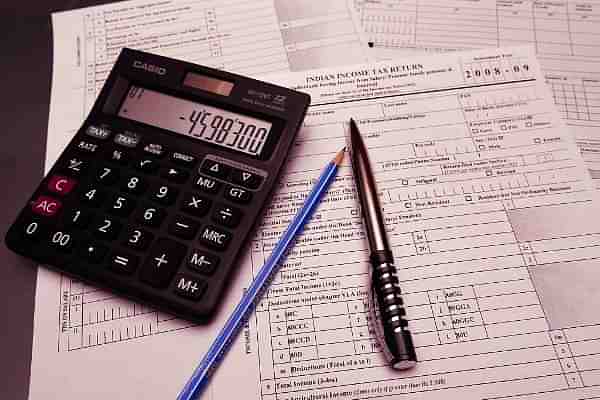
{"type": "Point", "coordinates": [26, 41]}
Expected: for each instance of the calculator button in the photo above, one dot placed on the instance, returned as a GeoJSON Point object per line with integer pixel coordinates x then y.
{"type": "Point", "coordinates": [195, 205]}
{"type": "Point", "coordinates": [202, 261]}
{"type": "Point", "coordinates": [164, 194]}
{"type": "Point", "coordinates": [75, 166]}
{"type": "Point", "coordinates": [93, 252]}
{"type": "Point", "coordinates": [133, 184]}
{"type": "Point", "coordinates": [121, 206]}
{"type": "Point", "coordinates": [183, 159]}
{"type": "Point", "coordinates": [245, 178]}
{"type": "Point", "coordinates": [163, 261]}
{"type": "Point", "coordinates": [118, 156]}
{"type": "Point", "coordinates": [183, 227]}
{"type": "Point", "coordinates": [138, 239]}
{"type": "Point", "coordinates": [151, 216]}
{"type": "Point", "coordinates": [92, 195]}
{"type": "Point", "coordinates": [207, 185]}
{"type": "Point", "coordinates": [238, 195]}
{"type": "Point", "coordinates": [106, 175]}
{"type": "Point", "coordinates": [85, 146]}
{"type": "Point", "coordinates": [78, 218]}
{"type": "Point", "coordinates": [98, 132]}
{"type": "Point", "coordinates": [62, 240]}
{"type": "Point", "coordinates": [123, 263]}
{"type": "Point", "coordinates": [46, 206]}
{"type": "Point", "coordinates": [61, 184]}
{"type": "Point", "coordinates": [227, 216]}
{"type": "Point", "coordinates": [154, 149]}
{"type": "Point", "coordinates": [189, 287]}
{"type": "Point", "coordinates": [215, 237]}
{"type": "Point", "coordinates": [32, 230]}
{"type": "Point", "coordinates": [175, 174]}
{"type": "Point", "coordinates": [127, 139]}
{"type": "Point", "coordinates": [146, 165]}
{"type": "Point", "coordinates": [107, 228]}
{"type": "Point", "coordinates": [216, 169]}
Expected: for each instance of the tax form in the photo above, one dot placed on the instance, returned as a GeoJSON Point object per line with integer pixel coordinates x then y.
{"type": "Point", "coordinates": [250, 37]}
{"type": "Point", "coordinates": [565, 34]}
{"type": "Point", "coordinates": [490, 213]}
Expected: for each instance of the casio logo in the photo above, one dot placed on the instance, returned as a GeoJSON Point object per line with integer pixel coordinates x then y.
{"type": "Point", "coordinates": [155, 69]}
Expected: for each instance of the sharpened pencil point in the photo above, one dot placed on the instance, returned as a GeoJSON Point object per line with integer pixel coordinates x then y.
{"type": "Point", "coordinates": [339, 157]}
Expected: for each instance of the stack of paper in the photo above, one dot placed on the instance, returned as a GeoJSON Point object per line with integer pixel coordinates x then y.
{"type": "Point", "coordinates": [488, 204]}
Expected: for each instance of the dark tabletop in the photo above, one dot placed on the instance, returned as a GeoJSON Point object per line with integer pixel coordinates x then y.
{"type": "Point", "coordinates": [26, 44]}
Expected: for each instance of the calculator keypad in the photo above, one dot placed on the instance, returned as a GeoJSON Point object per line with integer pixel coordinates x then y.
{"type": "Point", "coordinates": [142, 212]}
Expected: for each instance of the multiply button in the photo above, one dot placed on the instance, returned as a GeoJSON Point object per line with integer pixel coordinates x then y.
{"type": "Point", "coordinates": [203, 262]}
{"type": "Point", "coordinates": [246, 179]}
{"type": "Point", "coordinates": [215, 238]}
{"type": "Point", "coordinates": [195, 205]}
{"type": "Point", "coordinates": [216, 169]}
{"type": "Point", "coordinates": [61, 184]}
{"type": "Point", "coordinates": [162, 262]}
{"type": "Point", "coordinates": [238, 195]}
{"type": "Point", "coordinates": [189, 287]}
{"type": "Point", "coordinates": [46, 206]}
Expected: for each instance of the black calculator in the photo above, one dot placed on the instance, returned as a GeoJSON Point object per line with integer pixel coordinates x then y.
{"type": "Point", "coordinates": [157, 194]}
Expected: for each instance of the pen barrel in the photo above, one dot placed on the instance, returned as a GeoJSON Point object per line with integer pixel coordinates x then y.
{"type": "Point", "coordinates": [390, 315]}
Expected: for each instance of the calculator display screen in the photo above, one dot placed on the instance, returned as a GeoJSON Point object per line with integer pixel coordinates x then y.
{"type": "Point", "coordinates": [211, 124]}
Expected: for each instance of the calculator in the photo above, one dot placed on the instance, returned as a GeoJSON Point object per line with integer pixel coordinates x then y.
{"type": "Point", "coordinates": [157, 194]}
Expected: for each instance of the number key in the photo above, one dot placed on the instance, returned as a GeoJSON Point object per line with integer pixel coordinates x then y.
{"type": "Point", "coordinates": [164, 194]}
{"type": "Point", "coordinates": [151, 216]}
{"type": "Point", "coordinates": [92, 195]}
{"type": "Point", "coordinates": [138, 239]}
{"type": "Point", "coordinates": [107, 228]}
{"type": "Point", "coordinates": [121, 206]}
{"type": "Point", "coordinates": [133, 184]}
{"type": "Point", "coordinates": [78, 218]}
{"type": "Point", "coordinates": [62, 240]}
{"type": "Point", "coordinates": [107, 175]}
{"type": "Point", "coordinates": [32, 230]}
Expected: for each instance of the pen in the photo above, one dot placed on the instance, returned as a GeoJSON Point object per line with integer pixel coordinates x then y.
{"type": "Point", "coordinates": [199, 379]}
{"type": "Point", "coordinates": [387, 307]}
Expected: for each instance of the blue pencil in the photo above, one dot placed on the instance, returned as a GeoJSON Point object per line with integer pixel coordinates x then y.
{"type": "Point", "coordinates": [199, 379]}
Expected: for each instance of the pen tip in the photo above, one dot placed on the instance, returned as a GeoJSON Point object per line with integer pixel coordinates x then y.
{"type": "Point", "coordinates": [339, 157]}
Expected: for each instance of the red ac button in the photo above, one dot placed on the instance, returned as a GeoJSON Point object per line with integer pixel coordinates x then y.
{"type": "Point", "coordinates": [61, 184]}
{"type": "Point", "coordinates": [46, 206]}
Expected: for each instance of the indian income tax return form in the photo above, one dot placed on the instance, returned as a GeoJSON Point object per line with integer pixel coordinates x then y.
{"type": "Point", "coordinates": [564, 33]}
{"type": "Point", "coordinates": [491, 215]}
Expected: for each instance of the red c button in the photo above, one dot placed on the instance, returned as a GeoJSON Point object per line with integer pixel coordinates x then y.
{"type": "Point", "coordinates": [61, 184]}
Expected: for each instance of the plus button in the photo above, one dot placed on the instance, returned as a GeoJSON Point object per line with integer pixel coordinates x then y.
{"type": "Point", "coordinates": [161, 260]}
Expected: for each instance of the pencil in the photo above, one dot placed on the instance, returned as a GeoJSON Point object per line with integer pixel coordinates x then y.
{"type": "Point", "coordinates": [201, 375]}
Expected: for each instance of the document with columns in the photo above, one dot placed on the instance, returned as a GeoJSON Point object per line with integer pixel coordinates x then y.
{"type": "Point", "coordinates": [492, 219]}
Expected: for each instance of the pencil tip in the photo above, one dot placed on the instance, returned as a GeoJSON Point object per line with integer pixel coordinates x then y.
{"type": "Point", "coordinates": [339, 157]}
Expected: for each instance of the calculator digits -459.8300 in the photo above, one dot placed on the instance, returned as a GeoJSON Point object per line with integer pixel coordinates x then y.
{"type": "Point", "coordinates": [158, 192]}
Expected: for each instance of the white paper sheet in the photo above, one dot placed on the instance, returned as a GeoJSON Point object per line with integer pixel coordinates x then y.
{"type": "Point", "coordinates": [565, 34]}
{"type": "Point", "coordinates": [73, 321]}
{"type": "Point", "coordinates": [488, 208]}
